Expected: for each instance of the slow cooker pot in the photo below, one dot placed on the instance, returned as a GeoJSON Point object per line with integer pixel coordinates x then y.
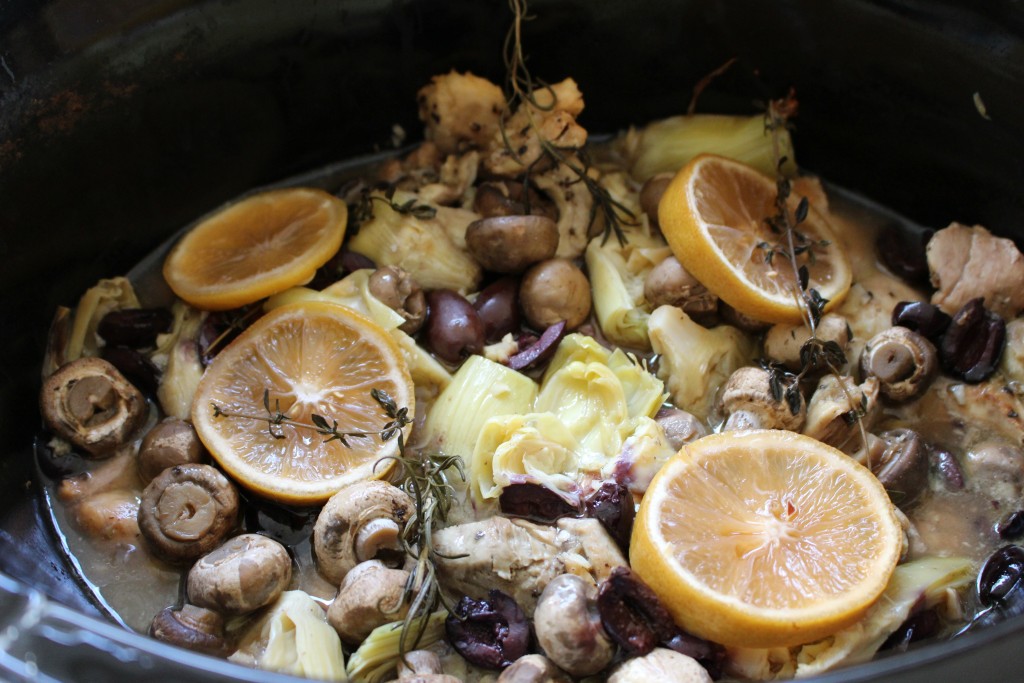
{"type": "Point", "coordinates": [121, 120]}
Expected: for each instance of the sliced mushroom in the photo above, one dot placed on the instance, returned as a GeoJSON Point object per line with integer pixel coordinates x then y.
{"type": "Point", "coordinates": [783, 342]}
{"type": "Point", "coordinates": [839, 408]}
{"type": "Point", "coordinates": [511, 244]}
{"type": "Point", "coordinates": [248, 572]}
{"type": "Point", "coordinates": [748, 403]}
{"type": "Point", "coordinates": [669, 284]}
{"type": "Point", "coordinates": [369, 596]}
{"type": "Point", "coordinates": [904, 362]}
{"type": "Point", "coordinates": [361, 522]}
{"type": "Point", "coordinates": [187, 511]}
{"type": "Point", "coordinates": [555, 290]}
{"type": "Point", "coordinates": [91, 404]}
{"type": "Point", "coordinates": [399, 291]}
{"type": "Point", "coordinates": [191, 627]}
{"type": "Point", "coordinates": [533, 669]}
{"type": "Point", "coordinates": [662, 665]}
{"type": "Point", "coordinates": [568, 626]}
{"type": "Point", "coordinates": [169, 443]}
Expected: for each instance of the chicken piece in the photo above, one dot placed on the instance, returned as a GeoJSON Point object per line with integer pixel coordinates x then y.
{"type": "Point", "coordinates": [554, 121]}
{"type": "Point", "coordinates": [519, 557]}
{"type": "Point", "coordinates": [967, 263]}
{"type": "Point", "coordinates": [109, 516]}
{"type": "Point", "coordinates": [461, 111]}
{"type": "Point", "coordinates": [457, 175]}
{"type": "Point", "coordinates": [575, 205]}
{"type": "Point", "coordinates": [119, 472]}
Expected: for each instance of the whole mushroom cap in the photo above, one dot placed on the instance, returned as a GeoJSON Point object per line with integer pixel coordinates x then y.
{"type": "Point", "coordinates": [170, 442]}
{"type": "Point", "coordinates": [187, 511]}
{"type": "Point", "coordinates": [568, 626]}
{"type": "Point", "coordinates": [191, 627]}
{"type": "Point", "coordinates": [748, 400]}
{"type": "Point", "coordinates": [247, 572]}
{"type": "Point", "coordinates": [552, 291]}
{"type": "Point", "coordinates": [661, 665]}
{"type": "Point", "coordinates": [369, 596]}
{"type": "Point", "coordinates": [510, 244]}
{"type": "Point", "coordinates": [91, 404]}
{"type": "Point", "coordinates": [904, 362]}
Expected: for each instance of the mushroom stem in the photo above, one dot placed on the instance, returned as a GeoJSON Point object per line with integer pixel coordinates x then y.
{"type": "Point", "coordinates": [378, 539]}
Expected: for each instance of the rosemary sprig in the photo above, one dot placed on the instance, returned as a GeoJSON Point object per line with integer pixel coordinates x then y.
{"type": "Point", "coordinates": [815, 353]}
{"type": "Point", "coordinates": [521, 88]}
{"type": "Point", "coordinates": [424, 477]}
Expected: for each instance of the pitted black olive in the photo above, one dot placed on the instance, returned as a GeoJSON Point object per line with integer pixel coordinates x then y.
{"type": "Point", "coordinates": [903, 252]}
{"type": "Point", "coordinates": [948, 468]}
{"type": "Point", "coordinates": [534, 502]}
{"type": "Point", "coordinates": [453, 329]}
{"type": "Point", "coordinates": [489, 633]}
{"type": "Point", "coordinates": [924, 318]}
{"type": "Point", "coordinates": [136, 368]}
{"type": "Point", "coordinates": [1011, 527]}
{"type": "Point", "coordinates": [972, 345]}
{"type": "Point", "coordinates": [135, 328]}
{"type": "Point", "coordinates": [613, 506]}
{"type": "Point", "coordinates": [634, 618]}
{"type": "Point", "coordinates": [497, 304]}
{"type": "Point", "coordinates": [1001, 576]}
{"type": "Point", "coordinates": [918, 626]}
{"type": "Point", "coordinates": [540, 350]}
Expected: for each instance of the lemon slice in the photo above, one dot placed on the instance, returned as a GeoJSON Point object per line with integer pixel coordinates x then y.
{"type": "Point", "coordinates": [257, 247]}
{"type": "Point", "coordinates": [713, 215]}
{"type": "Point", "coordinates": [765, 538]}
{"type": "Point", "coordinates": [312, 358]}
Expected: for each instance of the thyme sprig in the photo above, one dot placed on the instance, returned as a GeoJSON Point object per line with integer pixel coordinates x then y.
{"type": "Point", "coordinates": [363, 211]}
{"type": "Point", "coordinates": [521, 90]}
{"type": "Point", "coordinates": [815, 353]}
{"type": "Point", "coordinates": [277, 419]}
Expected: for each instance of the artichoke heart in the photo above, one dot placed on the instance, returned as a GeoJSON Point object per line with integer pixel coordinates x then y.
{"type": "Point", "coordinates": [589, 399]}
{"type": "Point", "coordinates": [696, 361]}
{"type": "Point", "coordinates": [480, 390]}
{"type": "Point", "coordinates": [105, 296]}
{"type": "Point", "coordinates": [642, 455]}
{"type": "Point", "coordinates": [177, 356]}
{"type": "Point", "coordinates": [422, 247]}
{"type": "Point", "coordinates": [617, 274]}
{"type": "Point", "coordinates": [294, 638]}
{"type": "Point", "coordinates": [377, 657]}
{"type": "Point", "coordinates": [536, 448]}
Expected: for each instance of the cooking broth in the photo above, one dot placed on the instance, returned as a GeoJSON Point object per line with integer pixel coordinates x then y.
{"type": "Point", "coordinates": [948, 520]}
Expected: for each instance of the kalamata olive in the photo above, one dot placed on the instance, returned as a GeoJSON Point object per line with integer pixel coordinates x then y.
{"type": "Point", "coordinates": [219, 328]}
{"type": "Point", "coordinates": [134, 327]}
{"type": "Point", "coordinates": [534, 502]}
{"type": "Point", "coordinates": [948, 469]}
{"type": "Point", "coordinates": [489, 633]}
{"type": "Point", "coordinates": [1011, 527]}
{"type": "Point", "coordinates": [453, 329]}
{"type": "Point", "coordinates": [903, 252]}
{"type": "Point", "coordinates": [632, 614]}
{"type": "Point", "coordinates": [339, 265]}
{"type": "Point", "coordinates": [918, 626]}
{"type": "Point", "coordinates": [903, 467]}
{"type": "Point", "coordinates": [540, 350]}
{"type": "Point", "coordinates": [922, 317]}
{"type": "Point", "coordinates": [612, 505]}
{"type": "Point", "coordinates": [1001, 575]}
{"type": "Point", "coordinates": [497, 304]}
{"type": "Point", "coordinates": [971, 347]}
{"type": "Point", "coordinates": [135, 367]}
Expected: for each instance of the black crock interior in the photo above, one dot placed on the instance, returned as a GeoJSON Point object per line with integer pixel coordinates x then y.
{"type": "Point", "coordinates": [122, 120]}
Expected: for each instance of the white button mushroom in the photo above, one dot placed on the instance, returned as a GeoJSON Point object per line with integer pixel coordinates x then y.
{"type": "Point", "coordinates": [248, 572]}
{"type": "Point", "coordinates": [661, 665]}
{"type": "Point", "coordinates": [748, 402]}
{"type": "Point", "coordinates": [361, 522]}
{"type": "Point", "coordinates": [569, 628]}
{"type": "Point", "coordinates": [370, 595]}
